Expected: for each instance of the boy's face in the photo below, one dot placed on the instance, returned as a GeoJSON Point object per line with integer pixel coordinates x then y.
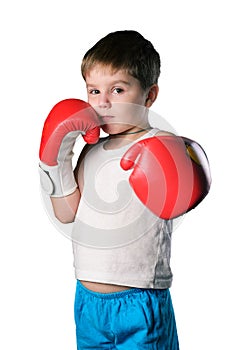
{"type": "Point", "coordinates": [117, 98]}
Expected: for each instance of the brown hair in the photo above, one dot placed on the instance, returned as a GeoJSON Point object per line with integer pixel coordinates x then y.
{"type": "Point", "coordinates": [127, 50]}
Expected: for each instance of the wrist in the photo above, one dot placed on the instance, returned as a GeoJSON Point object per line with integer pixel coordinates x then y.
{"type": "Point", "coordinates": [57, 181]}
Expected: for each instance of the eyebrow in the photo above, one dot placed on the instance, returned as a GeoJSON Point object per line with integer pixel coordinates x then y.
{"type": "Point", "coordinates": [113, 83]}
{"type": "Point", "coordinates": [121, 82]}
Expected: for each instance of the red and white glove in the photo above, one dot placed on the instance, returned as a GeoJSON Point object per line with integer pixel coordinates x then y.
{"type": "Point", "coordinates": [171, 174]}
{"type": "Point", "coordinates": [67, 119]}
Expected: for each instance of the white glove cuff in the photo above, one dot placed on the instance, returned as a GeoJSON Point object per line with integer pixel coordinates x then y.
{"type": "Point", "coordinates": [57, 181]}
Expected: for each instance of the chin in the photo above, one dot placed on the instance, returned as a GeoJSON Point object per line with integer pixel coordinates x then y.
{"type": "Point", "coordinates": [112, 129]}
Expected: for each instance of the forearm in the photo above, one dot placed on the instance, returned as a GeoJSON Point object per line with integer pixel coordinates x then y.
{"type": "Point", "coordinates": [65, 208]}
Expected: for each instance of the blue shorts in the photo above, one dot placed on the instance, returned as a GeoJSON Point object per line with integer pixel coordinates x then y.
{"type": "Point", "coordinates": [132, 319]}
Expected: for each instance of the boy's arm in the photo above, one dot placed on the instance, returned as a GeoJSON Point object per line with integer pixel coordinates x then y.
{"type": "Point", "coordinates": [67, 120]}
{"type": "Point", "coordinates": [65, 208]}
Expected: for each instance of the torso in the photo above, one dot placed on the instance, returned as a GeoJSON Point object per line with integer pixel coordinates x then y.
{"type": "Point", "coordinates": [103, 287]}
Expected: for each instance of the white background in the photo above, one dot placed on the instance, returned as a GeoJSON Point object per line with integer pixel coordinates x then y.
{"type": "Point", "coordinates": [42, 44]}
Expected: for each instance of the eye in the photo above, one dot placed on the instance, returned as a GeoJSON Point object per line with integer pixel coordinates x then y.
{"type": "Point", "coordinates": [117, 90]}
{"type": "Point", "coordinates": [94, 92]}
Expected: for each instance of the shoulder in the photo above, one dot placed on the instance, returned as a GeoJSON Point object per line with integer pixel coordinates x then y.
{"type": "Point", "coordinates": [79, 169]}
{"type": "Point", "coordinates": [87, 148]}
{"type": "Point", "coordinates": [164, 133]}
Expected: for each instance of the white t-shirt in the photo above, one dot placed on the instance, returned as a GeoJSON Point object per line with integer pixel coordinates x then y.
{"type": "Point", "coordinates": [116, 239]}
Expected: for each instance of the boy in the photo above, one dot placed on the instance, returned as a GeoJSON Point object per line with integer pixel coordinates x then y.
{"type": "Point", "coordinates": [121, 248]}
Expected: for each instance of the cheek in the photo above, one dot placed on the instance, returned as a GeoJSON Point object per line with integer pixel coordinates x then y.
{"type": "Point", "coordinates": [91, 101]}
{"type": "Point", "coordinates": [94, 105]}
{"type": "Point", "coordinates": [132, 112]}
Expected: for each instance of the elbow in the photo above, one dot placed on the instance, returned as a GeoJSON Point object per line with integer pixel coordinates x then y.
{"type": "Point", "coordinates": [65, 219]}
{"type": "Point", "coordinates": [63, 215]}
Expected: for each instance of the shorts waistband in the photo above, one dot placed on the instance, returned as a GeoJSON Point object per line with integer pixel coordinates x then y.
{"type": "Point", "coordinates": [113, 295]}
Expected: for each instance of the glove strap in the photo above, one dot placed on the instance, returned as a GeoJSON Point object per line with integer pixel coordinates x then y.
{"type": "Point", "coordinates": [57, 181]}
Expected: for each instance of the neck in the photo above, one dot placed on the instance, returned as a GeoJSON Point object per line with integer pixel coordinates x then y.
{"type": "Point", "coordinates": [122, 139]}
{"type": "Point", "coordinates": [130, 132]}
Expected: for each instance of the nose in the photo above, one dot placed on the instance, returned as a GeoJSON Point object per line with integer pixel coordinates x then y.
{"type": "Point", "coordinates": [104, 102]}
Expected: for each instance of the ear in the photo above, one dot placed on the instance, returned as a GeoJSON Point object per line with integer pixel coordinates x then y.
{"type": "Point", "coordinates": [152, 95]}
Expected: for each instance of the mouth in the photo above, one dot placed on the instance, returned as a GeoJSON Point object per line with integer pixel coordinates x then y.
{"type": "Point", "coordinates": [107, 119]}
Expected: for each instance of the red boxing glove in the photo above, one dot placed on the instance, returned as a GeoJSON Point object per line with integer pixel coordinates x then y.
{"type": "Point", "coordinates": [67, 119]}
{"type": "Point", "coordinates": [170, 174]}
